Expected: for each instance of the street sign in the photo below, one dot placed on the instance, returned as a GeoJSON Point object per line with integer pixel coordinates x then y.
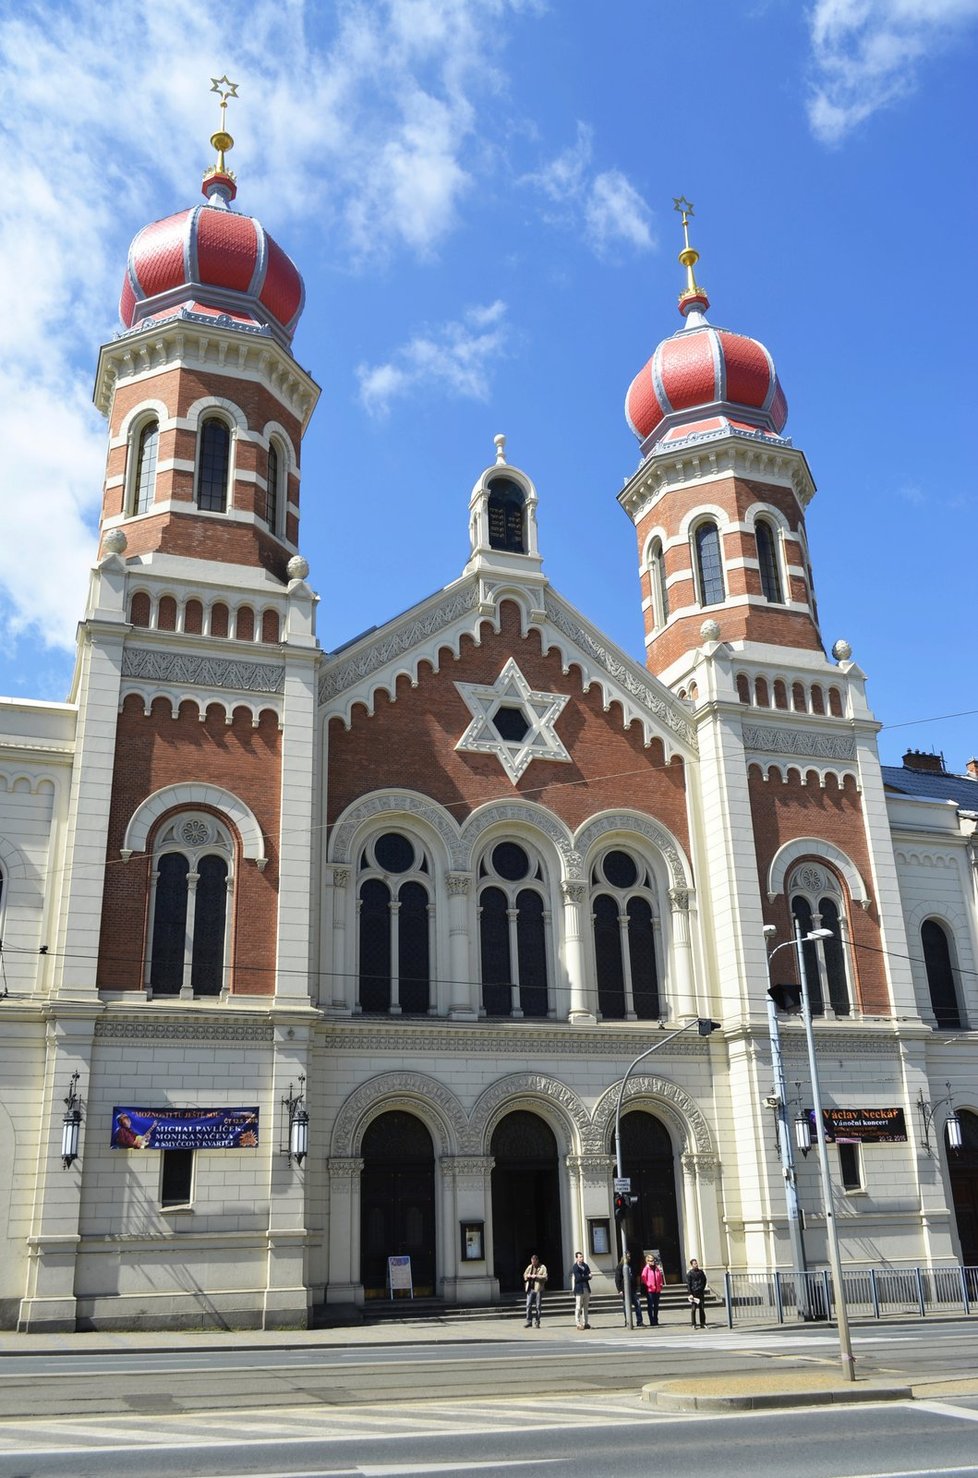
{"type": "Point", "coordinates": [623, 1183]}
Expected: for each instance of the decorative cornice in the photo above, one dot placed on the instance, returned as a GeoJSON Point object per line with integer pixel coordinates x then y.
{"type": "Point", "coordinates": [716, 455]}
{"type": "Point", "coordinates": [637, 695]}
{"type": "Point", "coordinates": [342, 673]}
{"type": "Point", "coordinates": [181, 668]}
{"type": "Point", "coordinates": [185, 1030]}
{"type": "Point", "coordinates": [807, 743]}
{"type": "Point", "coordinates": [397, 1035]}
{"type": "Point", "coordinates": [188, 340]}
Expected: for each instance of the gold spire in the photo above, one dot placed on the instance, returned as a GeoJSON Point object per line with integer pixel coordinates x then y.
{"type": "Point", "coordinates": [222, 140]}
{"type": "Point", "coordinates": [689, 256]}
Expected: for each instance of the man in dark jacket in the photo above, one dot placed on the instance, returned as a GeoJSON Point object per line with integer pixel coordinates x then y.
{"type": "Point", "coordinates": [696, 1286]}
{"type": "Point", "coordinates": [580, 1282]}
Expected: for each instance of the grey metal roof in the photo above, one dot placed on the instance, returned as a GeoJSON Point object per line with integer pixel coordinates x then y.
{"type": "Point", "coordinates": [960, 789]}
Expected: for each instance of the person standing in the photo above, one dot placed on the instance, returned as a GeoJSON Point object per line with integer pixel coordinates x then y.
{"type": "Point", "coordinates": [696, 1286]}
{"type": "Point", "coordinates": [653, 1281]}
{"type": "Point", "coordinates": [633, 1288]}
{"type": "Point", "coordinates": [534, 1281]}
{"type": "Point", "coordinates": [580, 1280]}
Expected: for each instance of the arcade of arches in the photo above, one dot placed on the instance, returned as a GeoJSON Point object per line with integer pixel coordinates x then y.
{"type": "Point", "coordinates": [397, 1199]}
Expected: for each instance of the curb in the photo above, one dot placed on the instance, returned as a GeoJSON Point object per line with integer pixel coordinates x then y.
{"type": "Point", "coordinates": [675, 1397]}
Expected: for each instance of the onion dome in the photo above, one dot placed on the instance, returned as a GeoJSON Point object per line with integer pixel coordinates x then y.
{"type": "Point", "coordinates": [210, 263]}
{"type": "Point", "coordinates": [703, 380]}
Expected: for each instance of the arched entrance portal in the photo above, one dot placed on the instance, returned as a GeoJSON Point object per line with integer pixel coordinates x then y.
{"type": "Point", "coordinates": [963, 1168]}
{"type": "Point", "coordinates": [397, 1202]}
{"type": "Point", "coordinates": [647, 1159]}
{"type": "Point", "coordinates": [525, 1199]}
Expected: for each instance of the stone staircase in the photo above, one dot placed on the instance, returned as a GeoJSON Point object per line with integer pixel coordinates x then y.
{"type": "Point", "coordinates": [558, 1307]}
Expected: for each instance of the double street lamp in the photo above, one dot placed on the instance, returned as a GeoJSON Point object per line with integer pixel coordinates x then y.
{"type": "Point", "coordinates": [705, 1027]}
{"type": "Point", "coordinates": [831, 1230]}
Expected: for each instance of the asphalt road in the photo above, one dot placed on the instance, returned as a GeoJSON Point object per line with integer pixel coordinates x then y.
{"type": "Point", "coordinates": [555, 1403]}
{"type": "Point", "coordinates": [559, 1438]}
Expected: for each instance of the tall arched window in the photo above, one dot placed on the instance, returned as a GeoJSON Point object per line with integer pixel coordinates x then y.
{"type": "Point", "coordinates": [213, 462]}
{"type": "Point", "coordinates": [507, 512]}
{"type": "Point", "coordinates": [709, 566]}
{"type": "Point", "coordinates": [658, 589]}
{"type": "Point", "coordinates": [624, 922]}
{"type": "Point", "coordinates": [394, 928]}
{"type": "Point", "coordinates": [273, 476]}
{"type": "Point", "coordinates": [513, 933]}
{"type": "Point", "coordinates": [817, 903]}
{"type": "Point", "coordinates": [144, 477]}
{"type": "Point", "coordinates": [940, 975]}
{"type": "Point", "coordinates": [189, 915]}
{"type": "Point", "coordinates": [767, 559]}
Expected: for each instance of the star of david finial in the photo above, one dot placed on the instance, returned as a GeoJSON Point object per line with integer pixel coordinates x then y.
{"type": "Point", "coordinates": [224, 88]}
{"type": "Point", "coordinates": [219, 181]}
{"type": "Point", "coordinates": [694, 296]}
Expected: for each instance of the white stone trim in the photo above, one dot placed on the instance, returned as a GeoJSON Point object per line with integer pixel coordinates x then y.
{"type": "Point", "coordinates": [172, 797]}
{"type": "Point", "coordinates": [786, 857]}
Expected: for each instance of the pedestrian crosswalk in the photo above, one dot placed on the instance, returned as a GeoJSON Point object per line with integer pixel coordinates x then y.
{"type": "Point", "coordinates": [322, 1423]}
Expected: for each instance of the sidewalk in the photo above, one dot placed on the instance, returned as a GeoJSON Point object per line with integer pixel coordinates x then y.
{"type": "Point", "coordinates": [800, 1380]}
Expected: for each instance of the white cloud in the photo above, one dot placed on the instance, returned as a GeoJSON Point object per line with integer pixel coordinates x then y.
{"type": "Point", "coordinates": [359, 115]}
{"type": "Point", "coordinates": [867, 53]}
{"type": "Point", "coordinates": [454, 358]}
{"type": "Point", "coordinates": [604, 207]}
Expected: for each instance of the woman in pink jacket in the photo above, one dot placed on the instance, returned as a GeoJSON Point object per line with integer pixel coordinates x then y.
{"type": "Point", "coordinates": [653, 1281]}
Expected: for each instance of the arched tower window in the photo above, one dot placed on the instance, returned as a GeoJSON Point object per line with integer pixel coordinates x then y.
{"type": "Point", "coordinates": [144, 478]}
{"type": "Point", "coordinates": [657, 584]}
{"type": "Point", "coordinates": [213, 463]}
{"type": "Point", "coordinates": [193, 856]}
{"type": "Point", "coordinates": [513, 933]}
{"type": "Point", "coordinates": [507, 516]}
{"type": "Point", "coordinates": [273, 477]}
{"type": "Point", "coordinates": [624, 921]}
{"type": "Point", "coordinates": [940, 975]}
{"type": "Point", "coordinates": [709, 565]}
{"type": "Point", "coordinates": [767, 559]}
{"type": "Point", "coordinates": [817, 903]}
{"type": "Point", "coordinates": [393, 901]}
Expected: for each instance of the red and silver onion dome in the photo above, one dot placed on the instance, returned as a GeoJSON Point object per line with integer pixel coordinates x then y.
{"type": "Point", "coordinates": [212, 263]}
{"type": "Point", "coordinates": [704, 380]}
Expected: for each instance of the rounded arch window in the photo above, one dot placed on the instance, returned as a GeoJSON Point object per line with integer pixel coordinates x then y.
{"type": "Point", "coordinates": [709, 564]}
{"type": "Point", "coordinates": [193, 856]}
{"type": "Point", "coordinates": [625, 926]}
{"type": "Point", "coordinates": [507, 515]}
{"type": "Point", "coordinates": [394, 926]}
{"type": "Point", "coordinates": [513, 930]}
{"type": "Point", "coordinates": [769, 566]}
{"type": "Point", "coordinates": [940, 970]}
{"type": "Point", "coordinates": [274, 485]}
{"type": "Point", "coordinates": [658, 589]}
{"type": "Point", "coordinates": [213, 464]}
{"type": "Point", "coordinates": [146, 447]}
{"type": "Point", "coordinates": [817, 903]}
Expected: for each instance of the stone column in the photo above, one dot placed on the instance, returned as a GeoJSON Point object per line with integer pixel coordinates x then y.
{"type": "Point", "coordinates": [462, 1002]}
{"type": "Point", "coordinates": [703, 1222]}
{"type": "Point", "coordinates": [581, 1007]}
{"type": "Point", "coordinates": [339, 988]}
{"type": "Point", "coordinates": [684, 1002]}
{"type": "Point", "coordinates": [465, 1183]}
{"type": "Point", "coordinates": [343, 1285]}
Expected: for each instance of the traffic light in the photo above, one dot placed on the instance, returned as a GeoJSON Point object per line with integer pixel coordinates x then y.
{"type": "Point", "coordinates": [625, 1201]}
{"type": "Point", "coordinates": [705, 1027]}
{"type": "Point", "coordinates": [786, 997]}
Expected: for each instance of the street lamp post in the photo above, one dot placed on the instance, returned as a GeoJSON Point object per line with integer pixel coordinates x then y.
{"type": "Point", "coordinates": [705, 1028]}
{"type": "Point", "coordinates": [785, 1148]}
{"type": "Point", "coordinates": [831, 1230]}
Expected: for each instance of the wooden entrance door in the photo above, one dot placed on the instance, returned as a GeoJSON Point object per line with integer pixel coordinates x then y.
{"type": "Point", "coordinates": [397, 1202]}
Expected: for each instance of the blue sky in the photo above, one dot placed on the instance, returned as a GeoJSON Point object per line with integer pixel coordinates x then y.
{"type": "Point", "coordinates": [479, 196]}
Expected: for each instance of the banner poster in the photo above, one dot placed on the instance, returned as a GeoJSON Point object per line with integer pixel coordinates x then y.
{"type": "Point", "coordinates": [184, 1129]}
{"type": "Point", "coordinates": [862, 1125]}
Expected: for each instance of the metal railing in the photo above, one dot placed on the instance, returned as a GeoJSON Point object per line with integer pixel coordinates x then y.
{"type": "Point", "coordinates": [869, 1292]}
